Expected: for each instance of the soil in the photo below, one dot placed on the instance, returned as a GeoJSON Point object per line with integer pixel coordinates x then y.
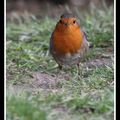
{"type": "Point", "coordinates": [44, 81]}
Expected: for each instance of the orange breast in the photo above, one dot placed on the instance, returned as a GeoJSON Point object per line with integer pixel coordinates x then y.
{"type": "Point", "coordinates": [67, 42]}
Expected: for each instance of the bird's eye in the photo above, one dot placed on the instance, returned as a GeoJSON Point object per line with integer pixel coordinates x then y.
{"type": "Point", "coordinates": [61, 21]}
{"type": "Point", "coordinates": [74, 21]}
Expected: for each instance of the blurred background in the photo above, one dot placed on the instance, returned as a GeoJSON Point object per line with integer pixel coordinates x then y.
{"type": "Point", "coordinates": [52, 8]}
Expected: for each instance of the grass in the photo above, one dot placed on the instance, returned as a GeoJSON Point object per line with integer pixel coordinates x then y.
{"type": "Point", "coordinates": [27, 48]}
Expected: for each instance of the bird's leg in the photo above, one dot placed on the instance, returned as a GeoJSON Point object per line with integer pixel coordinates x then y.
{"type": "Point", "coordinates": [79, 72]}
{"type": "Point", "coordinates": [58, 73]}
{"type": "Point", "coordinates": [60, 67]}
{"type": "Point", "coordinates": [78, 69]}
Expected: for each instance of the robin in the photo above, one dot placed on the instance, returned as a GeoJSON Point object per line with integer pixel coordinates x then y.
{"type": "Point", "coordinates": [68, 42]}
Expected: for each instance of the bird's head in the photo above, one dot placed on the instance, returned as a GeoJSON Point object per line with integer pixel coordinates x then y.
{"type": "Point", "coordinates": [67, 23]}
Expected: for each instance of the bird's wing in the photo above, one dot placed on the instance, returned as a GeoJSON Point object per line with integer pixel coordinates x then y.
{"type": "Point", "coordinates": [84, 46]}
{"type": "Point", "coordinates": [90, 45]}
{"type": "Point", "coordinates": [51, 50]}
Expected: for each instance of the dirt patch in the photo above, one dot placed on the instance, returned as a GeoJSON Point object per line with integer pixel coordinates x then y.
{"type": "Point", "coordinates": [47, 82]}
{"type": "Point", "coordinates": [99, 62]}
{"type": "Point", "coordinates": [38, 82]}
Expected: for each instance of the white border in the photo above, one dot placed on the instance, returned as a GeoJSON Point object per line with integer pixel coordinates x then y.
{"type": "Point", "coordinates": [4, 59]}
{"type": "Point", "coordinates": [114, 59]}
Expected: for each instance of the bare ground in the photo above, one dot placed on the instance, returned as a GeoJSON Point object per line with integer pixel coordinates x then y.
{"type": "Point", "coordinates": [49, 82]}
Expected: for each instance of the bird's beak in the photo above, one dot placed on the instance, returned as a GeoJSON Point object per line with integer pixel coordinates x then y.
{"type": "Point", "coordinates": [66, 24]}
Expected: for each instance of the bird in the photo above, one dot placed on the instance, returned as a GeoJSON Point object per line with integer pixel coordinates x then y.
{"type": "Point", "coordinates": [68, 42]}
